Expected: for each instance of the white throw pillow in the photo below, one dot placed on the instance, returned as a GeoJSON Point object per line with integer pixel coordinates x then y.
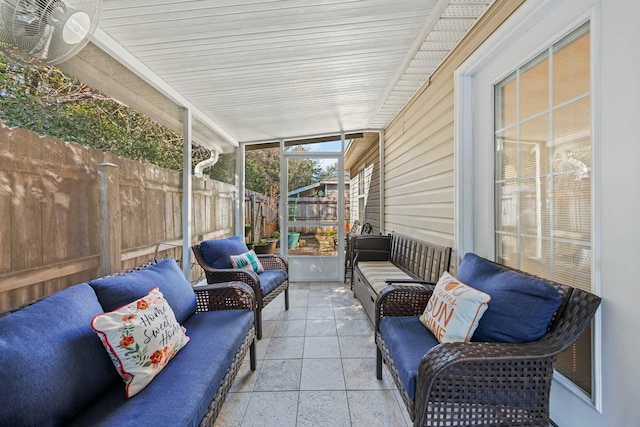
{"type": "Point", "coordinates": [248, 261]}
{"type": "Point", "coordinates": [141, 338]}
{"type": "Point", "coordinates": [454, 310]}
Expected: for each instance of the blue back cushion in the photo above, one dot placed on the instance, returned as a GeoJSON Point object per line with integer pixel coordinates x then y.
{"type": "Point", "coordinates": [521, 306]}
{"type": "Point", "coordinates": [217, 252]}
{"type": "Point", "coordinates": [52, 364]}
{"type": "Point", "coordinates": [115, 291]}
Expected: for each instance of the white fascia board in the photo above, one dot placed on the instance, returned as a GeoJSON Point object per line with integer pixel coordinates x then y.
{"type": "Point", "coordinates": [111, 47]}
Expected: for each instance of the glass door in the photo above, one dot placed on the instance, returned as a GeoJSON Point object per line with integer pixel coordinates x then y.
{"type": "Point", "coordinates": [314, 214]}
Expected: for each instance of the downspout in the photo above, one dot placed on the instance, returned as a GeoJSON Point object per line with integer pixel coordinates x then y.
{"type": "Point", "coordinates": [207, 163]}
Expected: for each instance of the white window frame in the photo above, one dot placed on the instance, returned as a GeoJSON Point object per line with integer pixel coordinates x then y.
{"type": "Point", "coordinates": [533, 27]}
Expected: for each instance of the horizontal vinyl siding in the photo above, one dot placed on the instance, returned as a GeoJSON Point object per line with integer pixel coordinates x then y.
{"type": "Point", "coordinates": [372, 205]}
{"type": "Point", "coordinates": [419, 158]}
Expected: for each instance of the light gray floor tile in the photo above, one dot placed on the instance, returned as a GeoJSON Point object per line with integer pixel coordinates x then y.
{"type": "Point", "coordinates": [323, 409]}
{"type": "Point", "coordinates": [289, 328]}
{"type": "Point", "coordinates": [267, 328]}
{"type": "Point", "coordinates": [357, 346]}
{"type": "Point", "coordinates": [285, 348]}
{"type": "Point", "coordinates": [320, 328]}
{"type": "Point", "coordinates": [321, 347]}
{"type": "Point", "coordinates": [316, 367]}
{"type": "Point", "coordinates": [349, 313]}
{"type": "Point", "coordinates": [322, 374]}
{"type": "Point", "coordinates": [374, 408]}
{"type": "Point", "coordinates": [270, 313]}
{"type": "Point", "coordinates": [279, 375]}
{"type": "Point", "coordinates": [246, 378]}
{"type": "Point", "coordinates": [360, 374]}
{"type": "Point", "coordinates": [272, 409]}
{"type": "Point", "coordinates": [299, 285]}
{"type": "Point", "coordinates": [294, 313]}
{"type": "Point", "coordinates": [261, 347]}
{"type": "Point", "coordinates": [233, 410]}
{"type": "Point", "coordinates": [403, 408]}
{"type": "Point", "coordinates": [320, 312]}
{"type": "Point", "coordinates": [353, 327]}
{"type": "Point", "coordinates": [321, 301]}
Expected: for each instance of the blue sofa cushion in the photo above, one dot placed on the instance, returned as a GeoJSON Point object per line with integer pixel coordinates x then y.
{"type": "Point", "coordinates": [271, 279]}
{"type": "Point", "coordinates": [115, 291]}
{"type": "Point", "coordinates": [521, 306]}
{"type": "Point", "coordinates": [408, 341]}
{"type": "Point", "coordinates": [182, 392]}
{"type": "Point", "coordinates": [52, 364]}
{"type": "Point", "coordinates": [217, 253]}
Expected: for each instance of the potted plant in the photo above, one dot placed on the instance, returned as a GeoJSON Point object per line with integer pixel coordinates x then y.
{"type": "Point", "coordinates": [265, 246]}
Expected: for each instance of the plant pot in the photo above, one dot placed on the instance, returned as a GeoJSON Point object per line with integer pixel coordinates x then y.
{"type": "Point", "coordinates": [293, 239]}
{"type": "Point", "coordinates": [268, 248]}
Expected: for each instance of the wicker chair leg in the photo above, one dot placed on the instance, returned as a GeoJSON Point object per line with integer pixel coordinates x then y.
{"type": "Point", "coordinates": [259, 324]}
{"type": "Point", "coordinates": [286, 299]}
{"type": "Point", "coordinates": [252, 355]}
{"type": "Point", "coordinates": [378, 363]}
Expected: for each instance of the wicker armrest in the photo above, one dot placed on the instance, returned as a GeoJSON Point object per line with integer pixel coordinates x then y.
{"type": "Point", "coordinates": [465, 373]}
{"type": "Point", "coordinates": [224, 296]}
{"type": "Point", "coordinates": [273, 262]}
{"type": "Point", "coordinates": [220, 275]}
{"type": "Point", "coordinates": [402, 300]}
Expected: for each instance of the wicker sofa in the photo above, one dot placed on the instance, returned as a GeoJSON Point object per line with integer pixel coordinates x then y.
{"type": "Point", "coordinates": [54, 370]}
{"type": "Point", "coordinates": [485, 382]}
{"type": "Point", "coordinates": [382, 258]}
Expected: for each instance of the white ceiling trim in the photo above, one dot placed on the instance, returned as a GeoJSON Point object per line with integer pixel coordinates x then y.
{"type": "Point", "coordinates": [110, 46]}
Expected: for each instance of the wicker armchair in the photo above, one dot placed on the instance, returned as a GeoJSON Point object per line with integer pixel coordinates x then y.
{"type": "Point", "coordinates": [480, 383]}
{"type": "Point", "coordinates": [269, 262]}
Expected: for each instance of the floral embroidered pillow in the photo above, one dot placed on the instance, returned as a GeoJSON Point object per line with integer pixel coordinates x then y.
{"type": "Point", "coordinates": [141, 338]}
{"type": "Point", "coordinates": [454, 310]}
{"type": "Point", "coordinates": [248, 261]}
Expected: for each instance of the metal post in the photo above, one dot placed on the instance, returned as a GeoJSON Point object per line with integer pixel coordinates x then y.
{"type": "Point", "coordinates": [187, 194]}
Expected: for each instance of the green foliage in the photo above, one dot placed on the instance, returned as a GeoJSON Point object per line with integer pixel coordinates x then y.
{"type": "Point", "coordinates": [45, 100]}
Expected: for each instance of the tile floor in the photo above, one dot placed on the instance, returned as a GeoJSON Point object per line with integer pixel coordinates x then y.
{"type": "Point", "coordinates": [315, 367]}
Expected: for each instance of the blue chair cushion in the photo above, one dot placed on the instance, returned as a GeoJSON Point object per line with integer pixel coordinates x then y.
{"type": "Point", "coordinates": [72, 370]}
{"type": "Point", "coordinates": [521, 306]}
{"type": "Point", "coordinates": [271, 279]}
{"type": "Point", "coordinates": [181, 393]}
{"type": "Point", "coordinates": [408, 341]}
{"type": "Point", "coordinates": [217, 253]}
{"type": "Point", "coordinates": [115, 291]}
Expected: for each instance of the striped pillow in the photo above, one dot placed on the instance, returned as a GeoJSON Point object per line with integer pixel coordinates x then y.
{"type": "Point", "coordinates": [247, 261]}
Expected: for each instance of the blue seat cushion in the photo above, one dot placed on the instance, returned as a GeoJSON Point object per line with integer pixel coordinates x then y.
{"type": "Point", "coordinates": [115, 291]}
{"type": "Point", "coordinates": [52, 364]}
{"type": "Point", "coordinates": [408, 341]}
{"type": "Point", "coordinates": [521, 306]}
{"type": "Point", "coordinates": [271, 279]}
{"type": "Point", "coordinates": [181, 393]}
{"type": "Point", "coordinates": [217, 253]}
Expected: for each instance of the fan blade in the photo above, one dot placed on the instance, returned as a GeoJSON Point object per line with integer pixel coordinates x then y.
{"type": "Point", "coordinates": [41, 49]}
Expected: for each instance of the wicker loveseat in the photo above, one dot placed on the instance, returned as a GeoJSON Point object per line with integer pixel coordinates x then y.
{"type": "Point", "coordinates": [477, 383]}
{"type": "Point", "coordinates": [54, 370]}
{"type": "Point", "coordinates": [214, 258]}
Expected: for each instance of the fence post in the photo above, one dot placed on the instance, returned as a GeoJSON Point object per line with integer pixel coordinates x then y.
{"type": "Point", "coordinates": [110, 218]}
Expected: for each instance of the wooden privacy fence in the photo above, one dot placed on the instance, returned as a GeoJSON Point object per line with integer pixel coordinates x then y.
{"type": "Point", "coordinates": [70, 213]}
